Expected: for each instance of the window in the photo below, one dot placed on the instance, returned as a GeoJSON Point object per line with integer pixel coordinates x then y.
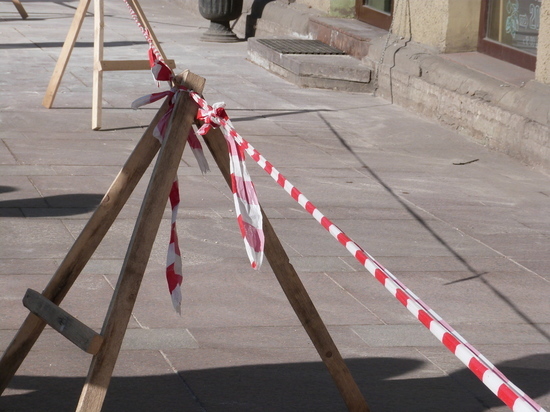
{"type": "Point", "coordinates": [509, 30]}
{"type": "Point", "coordinates": [375, 12]}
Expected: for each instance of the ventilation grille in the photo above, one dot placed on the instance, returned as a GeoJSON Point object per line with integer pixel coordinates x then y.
{"type": "Point", "coordinates": [298, 46]}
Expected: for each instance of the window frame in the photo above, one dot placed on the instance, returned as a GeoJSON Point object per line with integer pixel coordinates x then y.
{"type": "Point", "coordinates": [372, 16]}
{"type": "Point", "coordinates": [498, 50]}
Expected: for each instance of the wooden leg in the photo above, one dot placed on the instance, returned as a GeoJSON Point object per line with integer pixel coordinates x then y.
{"type": "Point", "coordinates": [139, 250]}
{"type": "Point", "coordinates": [97, 87]}
{"type": "Point", "coordinates": [83, 248]}
{"type": "Point", "coordinates": [66, 51]}
{"type": "Point", "coordinates": [20, 9]}
{"type": "Point", "coordinates": [296, 293]}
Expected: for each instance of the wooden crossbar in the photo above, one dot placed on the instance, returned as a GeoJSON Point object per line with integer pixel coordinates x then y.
{"type": "Point", "coordinates": [77, 332]}
{"type": "Point", "coordinates": [115, 65]}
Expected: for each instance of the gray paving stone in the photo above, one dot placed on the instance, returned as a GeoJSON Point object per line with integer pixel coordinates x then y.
{"type": "Point", "coordinates": [41, 239]}
{"type": "Point", "coordinates": [470, 240]}
{"type": "Point", "coordinates": [158, 339]}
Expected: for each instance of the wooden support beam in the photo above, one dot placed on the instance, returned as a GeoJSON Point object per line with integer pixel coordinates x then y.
{"type": "Point", "coordinates": [116, 65]}
{"type": "Point", "coordinates": [84, 247]}
{"type": "Point", "coordinates": [65, 55]}
{"type": "Point", "coordinates": [296, 292]}
{"type": "Point", "coordinates": [100, 65]}
{"type": "Point", "coordinates": [97, 77]}
{"type": "Point", "coordinates": [139, 250]}
{"type": "Point", "coordinates": [66, 324]}
{"type": "Point", "coordinates": [20, 9]}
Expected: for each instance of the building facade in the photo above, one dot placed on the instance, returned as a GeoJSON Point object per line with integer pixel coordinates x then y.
{"type": "Point", "coordinates": [481, 67]}
{"type": "Point", "coordinates": [516, 31]}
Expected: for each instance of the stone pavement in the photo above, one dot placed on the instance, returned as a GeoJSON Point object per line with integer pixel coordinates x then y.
{"type": "Point", "coordinates": [467, 229]}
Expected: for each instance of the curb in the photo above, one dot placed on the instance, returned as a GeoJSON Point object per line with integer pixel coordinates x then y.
{"type": "Point", "coordinates": [511, 118]}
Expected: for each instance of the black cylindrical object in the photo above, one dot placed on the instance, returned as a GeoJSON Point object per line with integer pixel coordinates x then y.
{"type": "Point", "coordinates": [220, 13]}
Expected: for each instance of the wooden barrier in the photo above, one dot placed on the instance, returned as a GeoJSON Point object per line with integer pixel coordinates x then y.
{"type": "Point", "coordinates": [100, 65]}
{"type": "Point", "coordinates": [106, 345]}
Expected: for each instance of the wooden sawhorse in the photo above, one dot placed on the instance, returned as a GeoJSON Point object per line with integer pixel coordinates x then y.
{"type": "Point", "coordinates": [105, 346]}
{"type": "Point", "coordinates": [99, 65]}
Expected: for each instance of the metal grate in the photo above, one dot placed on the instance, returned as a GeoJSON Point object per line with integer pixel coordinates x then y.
{"type": "Point", "coordinates": [298, 46]}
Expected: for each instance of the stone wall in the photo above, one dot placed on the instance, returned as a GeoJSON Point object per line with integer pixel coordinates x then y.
{"type": "Point", "coordinates": [513, 120]}
{"type": "Point", "coordinates": [542, 72]}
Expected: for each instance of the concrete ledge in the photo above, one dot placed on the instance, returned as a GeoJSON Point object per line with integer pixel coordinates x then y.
{"type": "Point", "coordinates": [321, 71]}
{"type": "Point", "coordinates": [350, 36]}
{"type": "Point", "coordinates": [511, 118]}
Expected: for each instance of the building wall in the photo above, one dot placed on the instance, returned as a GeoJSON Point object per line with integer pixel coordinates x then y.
{"type": "Point", "coordinates": [447, 26]}
{"type": "Point", "coordinates": [542, 73]}
{"type": "Point", "coordinates": [462, 26]}
{"type": "Point", "coordinates": [512, 118]}
{"type": "Point", "coordinates": [335, 8]}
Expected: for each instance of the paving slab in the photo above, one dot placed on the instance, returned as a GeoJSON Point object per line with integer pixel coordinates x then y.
{"type": "Point", "coordinates": [464, 228]}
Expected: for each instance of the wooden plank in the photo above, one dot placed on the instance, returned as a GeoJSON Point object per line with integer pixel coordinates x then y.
{"type": "Point", "coordinates": [84, 247]}
{"type": "Point", "coordinates": [20, 9]}
{"type": "Point", "coordinates": [296, 292]}
{"type": "Point", "coordinates": [115, 65]}
{"type": "Point", "coordinates": [66, 324]}
{"type": "Point", "coordinates": [139, 250]}
{"type": "Point", "coordinates": [66, 51]}
{"type": "Point", "coordinates": [97, 77]}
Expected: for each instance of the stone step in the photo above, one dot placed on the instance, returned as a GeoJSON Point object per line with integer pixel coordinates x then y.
{"type": "Point", "coordinates": [349, 35]}
{"type": "Point", "coordinates": [324, 71]}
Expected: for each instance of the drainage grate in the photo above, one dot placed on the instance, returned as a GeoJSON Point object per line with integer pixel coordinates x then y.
{"type": "Point", "coordinates": [298, 46]}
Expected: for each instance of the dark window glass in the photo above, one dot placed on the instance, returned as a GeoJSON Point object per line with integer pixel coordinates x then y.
{"type": "Point", "coordinates": [380, 5]}
{"type": "Point", "coordinates": [509, 30]}
{"type": "Point", "coordinates": [515, 23]}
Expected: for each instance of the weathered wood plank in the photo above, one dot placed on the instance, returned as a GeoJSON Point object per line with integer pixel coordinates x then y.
{"type": "Point", "coordinates": [77, 332]}
{"type": "Point", "coordinates": [139, 250]}
{"type": "Point", "coordinates": [97, 76]}
{"type": "Point", "coordinates": [117, 65]}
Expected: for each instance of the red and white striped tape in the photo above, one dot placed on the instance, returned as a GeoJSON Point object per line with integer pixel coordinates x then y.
{"type": "Point", "coordinates": [249, 216]}
{"type": "Point", "coordinates": [161, 72]}
{"type": "Point", "coordinates": [495, 380]}
{"type": "Point", "coordinates": [247, 207]}
{"type": "Point", "coordinates": [174, 275]}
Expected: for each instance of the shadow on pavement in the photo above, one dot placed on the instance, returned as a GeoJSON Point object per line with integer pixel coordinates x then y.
{"type": "Point", "coordinates": [475, 273]}
{"type": "Point", "coordinates": [285, 387]}
{"type": "Point", "coordinates": [255, 13]}
{"type": "Point", "coordinates": [7, 189]}
{"type": "Point", "coordinates": [58, 205]}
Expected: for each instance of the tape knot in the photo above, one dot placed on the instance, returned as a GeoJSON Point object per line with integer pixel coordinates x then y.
{"type": "Point", "coordinates": [211, 116]}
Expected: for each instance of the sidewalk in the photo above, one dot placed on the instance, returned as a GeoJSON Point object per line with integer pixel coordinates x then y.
{"type": "Point", "coordinates": [465, 228]}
